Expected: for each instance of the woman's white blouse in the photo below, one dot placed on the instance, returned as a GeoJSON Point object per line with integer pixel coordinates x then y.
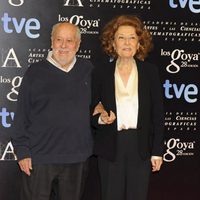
{"type": "Point", "coordinates": [127, 99]}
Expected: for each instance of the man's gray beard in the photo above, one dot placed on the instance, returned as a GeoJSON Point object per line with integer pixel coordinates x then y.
{"type": "Point", "coordinates": [62, 62]}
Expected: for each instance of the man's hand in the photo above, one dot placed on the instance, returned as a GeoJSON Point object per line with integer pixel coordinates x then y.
{"type": "Point", "coordinates": [26, 165]}
{"type": "Point", "coordinates": [156, 163]}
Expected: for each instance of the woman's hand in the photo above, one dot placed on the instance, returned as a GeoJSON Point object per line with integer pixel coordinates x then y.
{"type": "Point", "coordinates": [156, 163]}
{"type": "Point", "coordinates": [107, 119]}
{"type": "Point", "coordinates": [98, 109]}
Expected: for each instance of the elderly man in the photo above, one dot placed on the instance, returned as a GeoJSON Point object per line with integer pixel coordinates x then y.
{"type": "Point", "coordinates": [52, 137]}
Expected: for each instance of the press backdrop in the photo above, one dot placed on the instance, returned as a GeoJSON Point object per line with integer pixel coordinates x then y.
{"type": "Point", "coordinates": [25, 27]}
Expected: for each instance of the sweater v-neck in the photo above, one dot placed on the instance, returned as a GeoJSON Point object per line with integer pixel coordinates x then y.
{"type": "Point", "coordinates": [51, 66]}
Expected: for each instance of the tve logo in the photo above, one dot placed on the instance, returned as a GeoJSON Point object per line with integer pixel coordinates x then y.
{"type": "Point", "coordinates": [30, 26]}
{"type": "Point", "coordinates": [189, 92]}
{"type": "Point", "coordinates": [6, 117]}
{"type": "Point", "coordinates": [194, 5]}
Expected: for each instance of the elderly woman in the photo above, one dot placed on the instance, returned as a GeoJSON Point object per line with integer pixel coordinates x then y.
{"type": "Point", "coordinates": [128, 126]}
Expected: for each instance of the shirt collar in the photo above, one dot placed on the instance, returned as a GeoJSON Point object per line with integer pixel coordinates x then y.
{"type": "Point", "coordinates": [56, 64]}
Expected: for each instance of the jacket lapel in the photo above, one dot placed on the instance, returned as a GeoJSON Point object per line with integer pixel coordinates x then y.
{"type": "Point", "coordinates": [111, 86]}
{"type": "Point", "coordinates": [141, 79]}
